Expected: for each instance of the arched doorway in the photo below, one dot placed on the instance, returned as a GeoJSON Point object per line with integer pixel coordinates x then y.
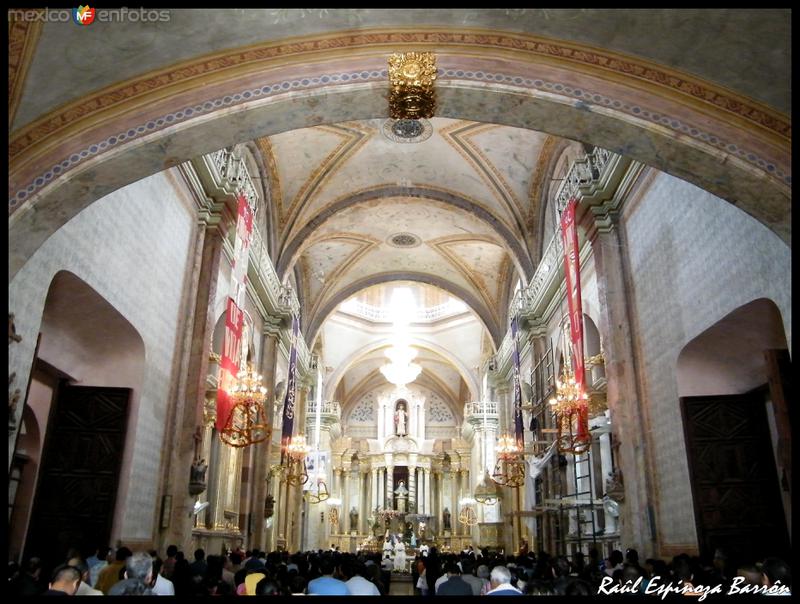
{"type": "Point", "coordinates": [733, 384]}
{"type": "Point", "coordinates": [84, 388]}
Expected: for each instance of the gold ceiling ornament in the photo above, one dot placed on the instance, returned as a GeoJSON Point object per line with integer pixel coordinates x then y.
{"type": "Point", "coordinates": [247, 423]}
{"type": "Point", "coordinates": [297, 450]}
{"type": "Point", "coordinates": [411, 79]}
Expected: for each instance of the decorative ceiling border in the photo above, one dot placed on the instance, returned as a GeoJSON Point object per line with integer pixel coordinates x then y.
{"type": "Point", "coordinates": [540, 173]}
{"type": "Point", "coordinates": [22, 192]}
{"type": "Point", "coordinates": [22, 39]}
{"type": "Point", "coordinates": [440, 245]}
{"type": "Point", "coordinates": [416, 194]}
{"type": "Point", "coordinates": [354, 137]}
{"type": "Point", "coordinates": [275, 189]}
{"type": "Point", "coordinates": [459, 137]}
{"type": "Point", "coordinates": [366, 244]}
{"type": "Point", "coordinates": [627, 66]}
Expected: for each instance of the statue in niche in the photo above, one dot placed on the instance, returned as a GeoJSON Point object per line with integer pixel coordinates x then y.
{"type": "Point", "coordinates": [402, 496]}
{"type": "Point", "coordinates": [400, 417]}
{"type": "Point", "coordinates": [446, 519]}
{"type": "Point", "coordinates": [354, 519]}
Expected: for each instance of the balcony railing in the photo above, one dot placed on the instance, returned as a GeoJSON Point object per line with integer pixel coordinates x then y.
{"type": "Point", "coordinates": [421, 315]}
{"type": "Point", "coordinates": [481, 408]}
{"type": "Point", "coordinates": [328, 408]}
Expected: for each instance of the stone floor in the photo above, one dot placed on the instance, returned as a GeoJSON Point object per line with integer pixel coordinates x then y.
{"type": "Point", "coordinates": [401, 585]}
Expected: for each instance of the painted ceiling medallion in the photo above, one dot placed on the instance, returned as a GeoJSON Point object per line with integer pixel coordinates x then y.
{"type": "Point", "coordinates": [407, 131]}
{"type": "Point", "coordinates": [404, 240]}
{"type": "Point", "coordinates": [411, 78]}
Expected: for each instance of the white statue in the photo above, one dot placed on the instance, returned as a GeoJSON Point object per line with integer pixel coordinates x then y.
{"type": "Point", "coordinates": [400, 420]}
{"type": "Point", "coordinates": [399, 557]}
{"type": "Point", "coordinates": [402, 496]}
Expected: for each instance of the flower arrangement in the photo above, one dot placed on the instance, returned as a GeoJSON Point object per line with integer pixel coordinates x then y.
{"type": "Point", "coordinates": [387, 514]}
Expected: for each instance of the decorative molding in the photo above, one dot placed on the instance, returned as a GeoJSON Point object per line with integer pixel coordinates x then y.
{"type": "Point", "coordinates": [50, 131]}
{"type": "Point", "coordinates": [23, 37]}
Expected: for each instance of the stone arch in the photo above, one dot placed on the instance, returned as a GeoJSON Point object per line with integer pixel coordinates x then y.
{"type": "Point", "coordinates": [333, 380]}
{"type": "Point", "coordinates": [517, 251]}
{"type": "Point", "coordinates": [491, 325]}
{"type": "Point", "coordinates": [640, 110]}
{"type": "Point", "coordinates": [88, 342]}
{"type": "Point", "coordinates": [727, 357]}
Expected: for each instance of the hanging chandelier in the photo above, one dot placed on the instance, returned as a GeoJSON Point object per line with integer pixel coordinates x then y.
{"type": "Point", "coordinates": [319, 492]}
{"type": "Point", "coordinates": [467, 515]}
{"type": "Point", "coordinates": [568, 404]}
{"type": "Point", "coordinates": [297, 450]}
{"type": "Point", "coordinates": [485, 491]}
{"type": "Point", "coordinates": [509, 471]}
{"type": "Point", "coordinates": [247, 423]}
{"type": "Point", "coordinates": [401, 370]}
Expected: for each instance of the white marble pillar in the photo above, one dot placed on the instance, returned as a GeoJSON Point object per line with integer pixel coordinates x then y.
{"type": "Point", "coordinates": [412, 489]}
{"type": "Point", "coordinates": [374, 501]}
{"type": "Point", "coordinates": [428, 507]}
{"type": "Point", "coordinates": [390, 487]}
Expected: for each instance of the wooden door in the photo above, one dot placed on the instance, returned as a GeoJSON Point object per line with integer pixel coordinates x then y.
{"type": "Point", "coordinates": [732, 470]}
{"type": "Point", "coordinates": [79, 476]}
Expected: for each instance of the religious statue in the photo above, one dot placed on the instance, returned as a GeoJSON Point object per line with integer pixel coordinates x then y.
{"type": "Point", "coordinates": [413, 539]}
{"type": "Point", "coordinates": [197, 477]}
{"type": "Point", "coordinates": [402, 496]}
{"type": "Point", "coordinates": [446, 518]}
{"type": "Point", "coordinates": [400, 420]}
{"type": "Point", "coordinates": [354, 519]}
{"type": "Point", "coordinates": [399, 557]}
{"type": "Point", "coordinates": [387, 548]}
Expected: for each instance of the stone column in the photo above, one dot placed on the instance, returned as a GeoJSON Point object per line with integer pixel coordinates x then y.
{"type": "Point", "coordinates": [390, 486]}
{"type": "Point", "coordinates": [187, 420]}
{"type": "Point", "coordinates": [623, 395]}
{"type": "Point", "coordinates": [412, 489]}
{"type": "Point", "coordinates": [261, 461]}
{"type": "Point", "coordinates": [428, 507]}
{"type": "Point", "coordinates": [375, 490]}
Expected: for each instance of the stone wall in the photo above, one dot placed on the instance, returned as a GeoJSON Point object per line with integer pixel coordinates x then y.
{"type": "Point", "coordinates": [132, 248]}
{"type": "Point", "coordinates": [694, 259]}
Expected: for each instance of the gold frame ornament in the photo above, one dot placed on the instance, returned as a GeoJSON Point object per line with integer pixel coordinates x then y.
{"type": "Point", "coordinates": [411, 79]}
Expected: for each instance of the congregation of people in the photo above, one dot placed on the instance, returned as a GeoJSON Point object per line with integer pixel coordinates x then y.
{"type": "Point", "coordinates": [468, 573]}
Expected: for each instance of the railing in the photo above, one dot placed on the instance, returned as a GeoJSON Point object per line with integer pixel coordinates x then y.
{"type": "Point", "coordinates": [233, 169]}
{"type": "Point", "coordinates": [380, 313]}
{"type": "Point", "coordinates": [582, 172]}
{"type": "Point", "coordinates": [481, 408]}
{"type": "Point", "coordinates": [328, 408]}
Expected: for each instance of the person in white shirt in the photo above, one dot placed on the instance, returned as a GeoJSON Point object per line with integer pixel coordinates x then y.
{"type": "Point", "coordinates": [356, 582]}
{"type": "Point", "coordinates": [162, 586]}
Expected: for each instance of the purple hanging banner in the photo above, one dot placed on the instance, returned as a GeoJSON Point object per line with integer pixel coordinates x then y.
{"type": "Point", "coordinates": [518, 427]}
{"type": "Point", "coordinates": [291, 387]}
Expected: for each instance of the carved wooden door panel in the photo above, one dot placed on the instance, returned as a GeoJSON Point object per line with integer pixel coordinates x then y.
{"type": "Point", "coordinates": [77, 486]}
{"type": "Point", "coordinates": [732, 470]}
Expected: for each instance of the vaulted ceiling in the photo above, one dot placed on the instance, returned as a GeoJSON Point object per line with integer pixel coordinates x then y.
{"type": "Point", "coordinates": [357, 205]}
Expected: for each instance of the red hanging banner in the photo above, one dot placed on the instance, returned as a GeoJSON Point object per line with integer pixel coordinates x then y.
{"type": "Point", "coordinates": [234, 317]}
{"type": "Point", "coordinates": [572, 272]}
